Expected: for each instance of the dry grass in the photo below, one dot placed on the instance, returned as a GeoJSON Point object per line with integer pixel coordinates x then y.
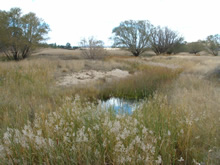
{"type": "Point", "coordinates": [50, 51]}
{"type": "Point", "coordinates": [182, 118]}
{"type": "Point", "coordinates": [197, 101]}
{"type": "Point", "coordinates": [29, 86]}
{"type": "Point", "coordinates": [26, 87]}
{"type": "Point", "coordinates": [141, 84]}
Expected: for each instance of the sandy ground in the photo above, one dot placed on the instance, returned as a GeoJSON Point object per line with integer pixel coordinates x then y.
{"type": "Point", "coordinates": [84, 77]}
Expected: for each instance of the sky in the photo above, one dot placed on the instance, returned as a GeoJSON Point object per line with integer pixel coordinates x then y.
{"type": "Point", "coordinates": [72, 20]}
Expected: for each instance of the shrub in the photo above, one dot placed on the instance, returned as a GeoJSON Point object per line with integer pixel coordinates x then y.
{"type": "Point", "coordinates": [92, 48]}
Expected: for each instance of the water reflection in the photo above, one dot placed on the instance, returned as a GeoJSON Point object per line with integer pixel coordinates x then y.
{"type": "Point", "coordinates": [120, 105]}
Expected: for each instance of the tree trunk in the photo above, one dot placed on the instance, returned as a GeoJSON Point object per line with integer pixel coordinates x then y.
{"type": "Point", "coordinates": [25, 52]}
{"type": "Point", "coordinates": [136, 53]}
{"type": "Point", "coordinates": [15, 55]}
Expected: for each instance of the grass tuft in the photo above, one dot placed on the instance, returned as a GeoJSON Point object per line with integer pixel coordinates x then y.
{"type": "Point", "coordinates": [140, 85]}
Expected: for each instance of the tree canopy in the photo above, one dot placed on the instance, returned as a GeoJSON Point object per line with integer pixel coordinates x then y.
{"type": "Point", "coordinates": [195, 47]}
{"type": "Point", "coordinates": [213, 44]}
{"type": "Point", "coordinates": [20, 34]}
{"type": "Point", "coordinates": [164, 40]}
{"type": "Point", "coordinates": [133, 35]}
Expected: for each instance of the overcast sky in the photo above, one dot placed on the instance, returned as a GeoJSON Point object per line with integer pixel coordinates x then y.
{"type": "Point", "coordinates": [72, 20]}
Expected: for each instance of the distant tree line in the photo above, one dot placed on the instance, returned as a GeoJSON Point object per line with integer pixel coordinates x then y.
{"type": "Point", "coordinates": [67, 46]}
{"type": "Point", "coordinates": [139, 36]}
{"type": "Point", "coordinates": [21, 34]}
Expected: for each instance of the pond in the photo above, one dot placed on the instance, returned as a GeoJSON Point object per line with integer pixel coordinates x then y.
{"type": "Point", "coordinates": [120, 105]}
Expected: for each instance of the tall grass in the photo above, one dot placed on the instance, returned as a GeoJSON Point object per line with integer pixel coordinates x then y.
{"type": "Point", "coordinates": [29, 86]}
{"type": "Point", "coordinates": [43, 124]}
{"type": "Point", "coordinates": [177, 133]}
{"type": "Point", "coordinates": [140, 85]}
{"type": "Point", "coordinates": [199, 100]}
{"type": "Point", "coordinates": [26, 88]}
{"type": "Point", "coordinates": [79, 134]}
{"type": "Point", "coordinates": [84, 133]}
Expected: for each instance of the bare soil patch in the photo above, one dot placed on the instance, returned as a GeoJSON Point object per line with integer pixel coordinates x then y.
{"type": "Point", "coordinates": [90, 76]}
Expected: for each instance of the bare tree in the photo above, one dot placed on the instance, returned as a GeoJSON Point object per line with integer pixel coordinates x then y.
{"type": "Point", "coordinates": [132, 35]}
{"type": "Point", "coordinates": [164, 40]}
{"type": "Point", "coordinates": [92, 48]}
{"type": "Point", "coordinates": [213, 44]}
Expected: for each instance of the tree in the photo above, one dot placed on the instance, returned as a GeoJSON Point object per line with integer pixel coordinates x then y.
{"type": "Point", "coordinates": [53, 45]}
{"type": "Point", "coordinates": [213, 44]}
{"type": "Point", "coordinates": [20, 35]}
{"type": "Point", "coordinates": [180, 47]}
{"type": "Point", "coordinates": [3, 27]}
{"type": "Point", "coordinates": [133, 35]}
{"type": "Point", "coordinates": [164, 40]}
{"type": "Point", "coordinates": [92, 48]}
{"type": "Point", "coordinates": [68, 45]}
{"type": "Point", "coordinates": [10, 33]}
{"type": "Point", "coordinates": [195, 47]}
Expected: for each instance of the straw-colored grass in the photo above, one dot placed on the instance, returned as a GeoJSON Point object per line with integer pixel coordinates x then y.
{"type": "Point", "coordinates": [25, 89]}
{"type": "Point", "coordinates": [176, 123]}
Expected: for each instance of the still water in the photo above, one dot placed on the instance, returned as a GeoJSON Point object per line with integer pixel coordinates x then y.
{"type": "Point", "coordinates": [120, 105]}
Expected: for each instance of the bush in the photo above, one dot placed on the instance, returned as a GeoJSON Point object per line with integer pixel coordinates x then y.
{"type": "Point", "coordinates": [92, 48]}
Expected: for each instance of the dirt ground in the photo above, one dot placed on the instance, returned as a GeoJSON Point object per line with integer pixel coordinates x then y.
{"type": "Point", "coordinates": [83, 77]}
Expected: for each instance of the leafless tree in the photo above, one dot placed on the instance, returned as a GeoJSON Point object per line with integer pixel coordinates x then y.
{"type": "Point", "coordinates": [92, 48]}
{"type": "Point", "coordinates": [164, 40]}
{"type": "Point", "coordinates": [132, 35]}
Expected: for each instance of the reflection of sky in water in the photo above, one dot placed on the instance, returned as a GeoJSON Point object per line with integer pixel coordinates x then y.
{"type": "Point", "coordinates": [120, 105]}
